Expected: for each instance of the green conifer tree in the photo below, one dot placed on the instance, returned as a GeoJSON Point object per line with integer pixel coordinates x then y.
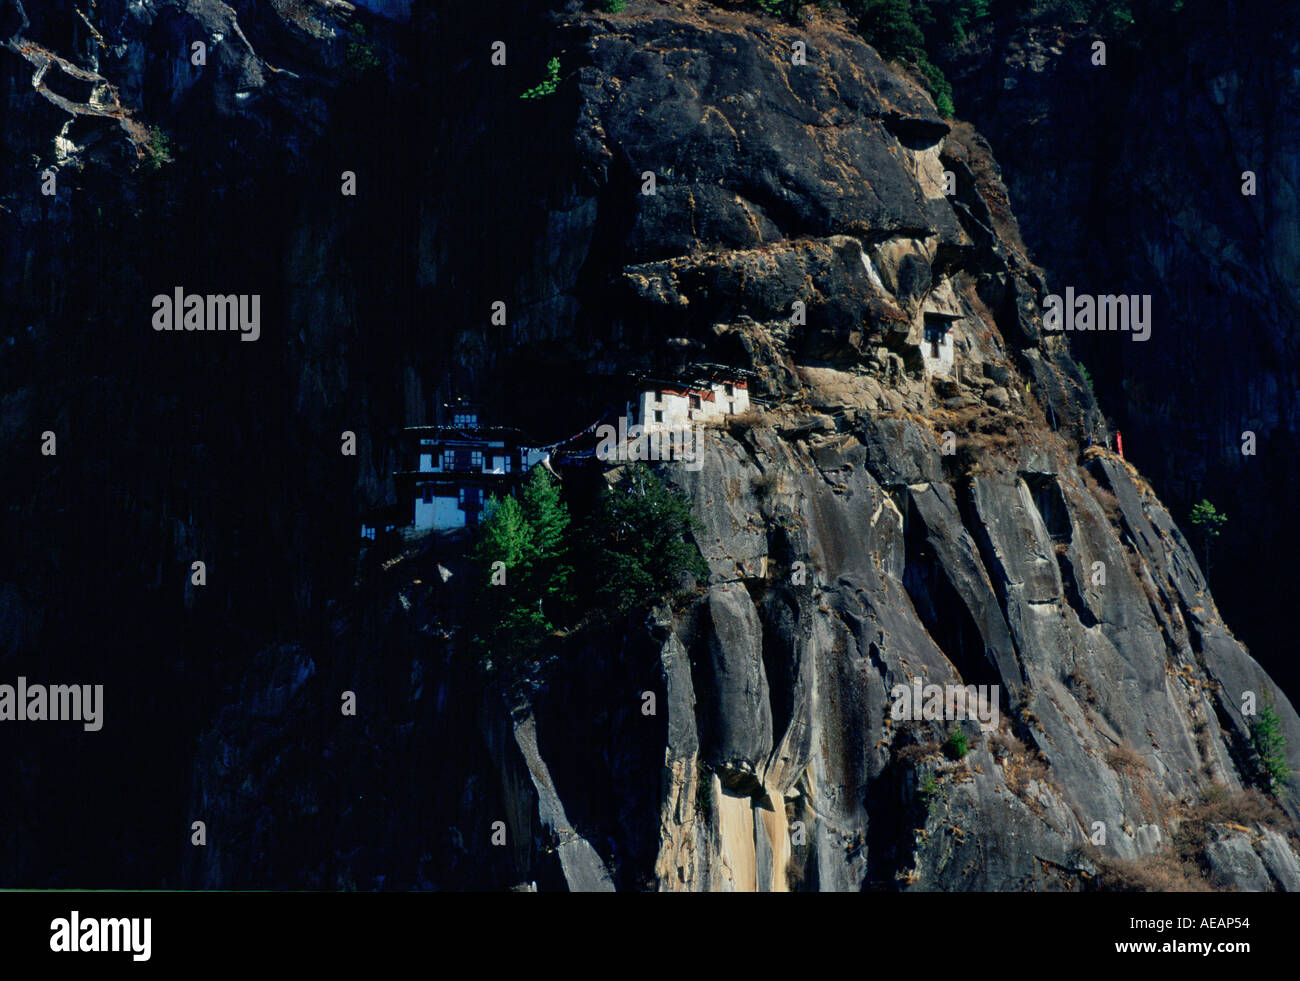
{"type": "Point", "coordinates": [549, 572]}
{"type": "Point", "coordinates": [637, 541]}
{"type": "Point", "coordinates": [511, 620]}
{"type": "Point", "coordinates": [1207, 518]}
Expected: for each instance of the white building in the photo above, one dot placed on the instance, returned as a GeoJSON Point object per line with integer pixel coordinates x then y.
{"type": "Point", "coordinates": [460, 466]}
{"type": "Point", "coordinates": [679, 406]}
{"type": "Point", "coordinates": [936, 345]}
{"type": "Point", "coordinates": [940, 314]}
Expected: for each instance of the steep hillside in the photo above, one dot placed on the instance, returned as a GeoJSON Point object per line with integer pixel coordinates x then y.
{"type": "Point", "coordinates": [1131, 177]}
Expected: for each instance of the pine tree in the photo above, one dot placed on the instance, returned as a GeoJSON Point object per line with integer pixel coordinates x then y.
{"type": "Point", "coordinates": [547, 517]}
{"type": "Point", "coordinates": [512, 622]}
{"type": "Point", "coordinates": [637, 542]}
{"type": "Point", "coordinates": [1207, 518]}
{"type": "Point", "coordinates": [1270, 747]}
{"type": "Point", "coordinates": [504, 535]}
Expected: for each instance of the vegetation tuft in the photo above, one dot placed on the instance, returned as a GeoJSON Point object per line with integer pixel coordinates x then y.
{"type": "Point", "coordinates": [158, 151]}
{"type": "Point", "coordinates": [1270, 749]}
{"type": "Point", "coordinates": [362, 58]}
{"type": "Point", "coordinates": [547, 85]}
{"type": "Point", "coordinates": [956, 747]}
{"type": "Point", "coordinates": [921, 33]}
{"type": "Point", "coordinates": [1209, 521]}
{"type": "Point", "coordinates": [634, 549]}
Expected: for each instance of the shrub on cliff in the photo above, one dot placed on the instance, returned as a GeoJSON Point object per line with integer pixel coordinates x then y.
{"type": "Point", "coordinates": [780, 8]}
{"type": "Point", "coordinates": [903, 30]}
{"type": "Point", "coordinates": [633, 550]}
{"type": "Point", "coordinates": [636, 540]}
{"type": "Point", "coordinates": [956, 746]}
{"type": "Point", "coordinates": [1270, 748]}
{"type": "Point", "coordinates": [1208, 519]}
{"type": "Point", "coordinates": [548, 85]}
{"type": "Point", "coordinates": [890, 27]}
{"type": "Point", "coordinates": [158, 151]}
{"type": "Point", "coordinates": [523, 571]}
{"type": "Point", "coordinates": [362, 58]}
{"type": "Point", "coordinates": [550, 574]}
{"type": "Point", "coordinates": [510, 622]}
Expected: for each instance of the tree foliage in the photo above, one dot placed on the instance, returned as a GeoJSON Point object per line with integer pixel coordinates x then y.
{"type": "Point", "coordinates": [637, 543]}
{"type": "Point", "coordinates": [924, 32]}
{"type": "Point", "coordinates": [1270, 748]}
{"type": "Point", "coordinates": [523, 571]}
{"type": "Point", "coordinates": [1207, 518]}
{"type": "Point", "coordinates": [956, 746]}
{"type": "Point", "coordinates": [158, 151]}
{"type": "Point", "coordinates": [548, 575]}
{"type": "Point", "coordinates": [547, 85]}
{"type": "Point", "coordinates": [633, 549]}
{"type": "Point", "coordinates": [511, 623]}
{"type": "Point", "coordinates": [362, 58]}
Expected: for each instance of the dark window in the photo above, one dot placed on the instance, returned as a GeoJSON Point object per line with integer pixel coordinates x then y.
{"type": "Point", "coordinates": [727, 388]}
{"type": "Point", "coordinates": [934, 335]}
{"type": "Point", "coordinates": [428, 494]}
{"type": "Point", "coordinates": [659, 415]}
{"type": "Point", "coordinates": [471, 499]}
{"type": "Point", "coordinates": [695, 401]}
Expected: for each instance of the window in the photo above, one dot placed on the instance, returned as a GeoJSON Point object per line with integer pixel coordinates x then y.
{"type": "Point", "coordinates": [695, 401]}
{"type": "Point", "coordinates": [465, 419]}
{"type": "Point", "coordinates": [659, 415]}
{"type": "Point", "coordinates": [727, 388]}
{"type": "Point", "coordinates": [935, 336]}
{"type": "Point", "coordinates": [448, 459]}
{"type": "Point", "coordinates": [428, 494]}
{"type": "Point", "coordinates": [507, 467]}
{"type": "Point", "coordinates": [476, 459]}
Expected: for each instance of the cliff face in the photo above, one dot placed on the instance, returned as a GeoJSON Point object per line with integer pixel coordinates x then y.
{"type": "Point", "coordinates": [1129, 178]}
{"type": "Point", "coordinates": [848, 553]}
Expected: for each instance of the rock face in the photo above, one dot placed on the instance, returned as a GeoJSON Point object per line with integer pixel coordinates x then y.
{"type": "Point", "coordinates": [870, 527]}
{"type": "Point", "coordinates": [1149, 194]}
